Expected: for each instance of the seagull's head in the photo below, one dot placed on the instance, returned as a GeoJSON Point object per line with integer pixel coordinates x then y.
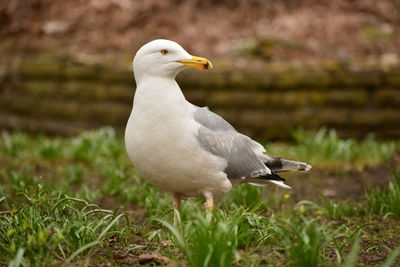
{"type": "Point", "coordinates": [164, 58]}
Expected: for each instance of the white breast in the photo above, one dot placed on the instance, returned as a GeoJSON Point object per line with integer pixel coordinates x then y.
{"type": "Point", "coordinates": [161, 142]}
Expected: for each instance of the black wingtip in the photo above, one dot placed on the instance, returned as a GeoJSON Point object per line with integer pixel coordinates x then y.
{"type": "Point", "coordinates": [273, 177]}
{"type": "Point", "coordinates": [274, 164]}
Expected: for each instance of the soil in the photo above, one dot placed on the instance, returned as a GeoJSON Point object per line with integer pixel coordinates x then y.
{"type": "Point", "coordinates": [346, 186]}
{"type": "Point", "coordinates": [290, 30]}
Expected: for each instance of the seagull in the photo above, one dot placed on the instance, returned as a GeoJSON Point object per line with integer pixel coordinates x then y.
{"type": "Point", "coordinates": [183, 149]}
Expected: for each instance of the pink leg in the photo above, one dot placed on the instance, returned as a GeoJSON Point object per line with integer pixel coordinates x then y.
{"type": "Point", "coordinates": [209, 203]}
{"type": "Point", "coordinates": [177, 205]}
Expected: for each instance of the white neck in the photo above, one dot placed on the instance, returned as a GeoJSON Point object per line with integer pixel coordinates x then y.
{"type": "Point", "coordinates": [150, 74]}
{"type": "Point", "coordinates": [159, 98]}
{"type": "Point", "coordinates": [158, 90]}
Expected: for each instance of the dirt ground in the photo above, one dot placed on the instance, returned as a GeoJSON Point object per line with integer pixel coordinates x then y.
{"type": "Point", "coordinates": [288, 30]}
{"type": "Point", "coordinates": [349, 185]}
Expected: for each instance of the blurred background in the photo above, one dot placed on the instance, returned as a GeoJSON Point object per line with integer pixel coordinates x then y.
{"type": "Point", "coordinates": [66, 65]}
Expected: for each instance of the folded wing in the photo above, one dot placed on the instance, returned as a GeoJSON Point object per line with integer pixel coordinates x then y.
{"type": "Point", "coordinates": [245, 157]}
{"type": "Point", "coordinates": [218, 137]}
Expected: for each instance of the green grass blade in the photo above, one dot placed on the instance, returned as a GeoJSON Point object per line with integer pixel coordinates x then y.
{"type": "Point", "coordinates": [104, 232]}
{"type": "Point", "coordinates": [18, 260]}
{"type": "Point", "coordinates": [352, 258]}
{"type": "Point", "coordinates": [178, 236]}
{"type": "Point", "coordinates": [391, 258]}
{"type": "Point", "coordinates": [82, 249]}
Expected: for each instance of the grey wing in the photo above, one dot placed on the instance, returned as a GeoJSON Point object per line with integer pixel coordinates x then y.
{"type": "Point", "coordinates": [220, 138]}
{"type": "Point", "coordinates": [211, 120]}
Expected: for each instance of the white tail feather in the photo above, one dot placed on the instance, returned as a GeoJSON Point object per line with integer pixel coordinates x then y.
{"type": "Point", "coordinates": [308, 167]}
{"type": "Point", "coordinates": [280, 184]}
{"type": "Point", "coordinates": [258, 185]}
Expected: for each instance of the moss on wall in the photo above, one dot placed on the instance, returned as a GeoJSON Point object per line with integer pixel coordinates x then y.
{"type": "Point", "coordinates": [62, 97]}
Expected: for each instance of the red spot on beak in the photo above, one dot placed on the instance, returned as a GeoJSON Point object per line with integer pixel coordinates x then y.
{"type": "Point", "coordinates": [204, 67]}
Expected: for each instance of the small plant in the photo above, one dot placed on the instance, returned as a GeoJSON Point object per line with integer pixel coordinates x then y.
{"type": "Point", "coordinates": [20, 179]}
{"type": "Point", "coordinates": [388, 201]}
{"type": "Point", "coordinates": [73, 174]}
{"type": "Point", "coordinates": [245, 195]}
{"type": "Point", "coordinates": [253, 229]}
{"type": "Point", "coordinates": [114, 179]}
{"type": "Point", "coordinates": [50, 148]}
{"type": "Point", "coordinates": [206, 240]}
{"type": "Point", "coordinates": [147, 196]}
{"type": "Point", "coordinates": [304, 240]}
{"type": "Point", "coordinates": [14, 145]}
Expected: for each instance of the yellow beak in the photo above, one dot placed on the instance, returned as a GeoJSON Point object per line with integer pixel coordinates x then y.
{"type": "Point", "coordinates": [197, 62]}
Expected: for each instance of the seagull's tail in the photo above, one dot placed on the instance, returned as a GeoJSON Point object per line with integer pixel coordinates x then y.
{"type": "Point", "coordinates": [278, 164]}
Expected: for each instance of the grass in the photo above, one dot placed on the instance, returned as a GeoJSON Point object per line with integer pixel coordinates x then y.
{"type": "Point", "coordinates": [326, 149]}
{"type": "Point", "coordinates": [206, 240]}
{"type": "Point", "coordinates": [333, 210]}
{"type": "Point", "coordinates": [386, 202]}
{"type": "Point", "coordinates": [352, 259]}
{"type": "Point", "coordinates": [79, 201]}
{"type": "Point", "coordinates": [46, 226]}
{"type": "Point", "coordinates": [304, 240]}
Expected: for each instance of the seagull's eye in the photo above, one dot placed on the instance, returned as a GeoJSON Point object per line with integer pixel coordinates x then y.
{"type": "Point", "coordinates": [164, 52]}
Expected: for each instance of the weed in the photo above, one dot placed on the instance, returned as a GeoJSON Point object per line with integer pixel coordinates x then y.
{"type": "Point", "coordinates": [50, 148]}
{"type": "Point", "coordinates": [206, 240]}
{"type": "Point", "coordinates": [386, 202]}
{"type": "Point", "coordinates": [14, 145]}
{"type": "Point", "coordinates": [73, 174]}
{"type": "Point", "coordinates": [148, 197]}
{"type": "Point", "coordinates": [245, 195]}
{"type": "Point", "coordinates": [21, 179]}
{"type": "Point", "coordinates": [304, 240]}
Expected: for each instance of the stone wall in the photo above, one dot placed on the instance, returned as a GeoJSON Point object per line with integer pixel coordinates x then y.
{"type": "Point", "coordinates": [57, 96]}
